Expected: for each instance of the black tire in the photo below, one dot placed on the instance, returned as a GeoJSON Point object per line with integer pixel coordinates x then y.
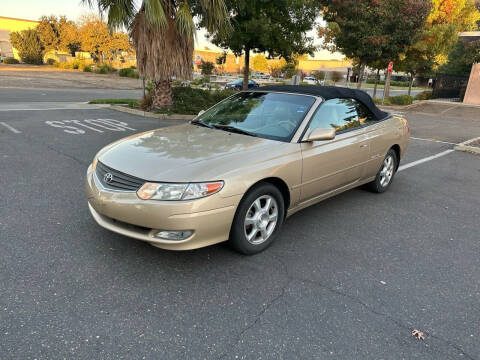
{"type": "Point", "coordinates": [378, 185]}
{"type": "Point", "coordinates": [238, 238]}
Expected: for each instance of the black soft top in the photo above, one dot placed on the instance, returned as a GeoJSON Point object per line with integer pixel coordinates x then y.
{"type": "Point", "coordinates": [330, 92]}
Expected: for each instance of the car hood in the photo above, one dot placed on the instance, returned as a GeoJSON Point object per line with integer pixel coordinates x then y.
{"type": "Point", "coordinates": [183, 153]}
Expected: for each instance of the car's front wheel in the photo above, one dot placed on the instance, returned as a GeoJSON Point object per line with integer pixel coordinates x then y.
{"type": "Point", "coordinates": [384, 177]}
{"type": "Point", "coordinates": [258, 219]}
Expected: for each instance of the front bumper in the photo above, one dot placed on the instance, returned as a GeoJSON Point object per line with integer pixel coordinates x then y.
{"type": "Point", "coordinates": [123, 212]}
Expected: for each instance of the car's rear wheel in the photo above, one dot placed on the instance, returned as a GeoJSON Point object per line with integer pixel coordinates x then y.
{"type": "Point", "coordinates": [258, 219]}
{"type": "Point", "coordinates": [384, 177]}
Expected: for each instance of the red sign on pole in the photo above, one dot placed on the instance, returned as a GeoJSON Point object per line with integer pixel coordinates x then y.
{"type": "Point", "coordinates": [390, 66]}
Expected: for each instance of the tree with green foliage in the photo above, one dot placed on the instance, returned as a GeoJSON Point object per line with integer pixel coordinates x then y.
{"type": "Point", "coordinates": [221, 61]}
{"type": "Point", "coordinates": [58, 34]}
{"type": "Point", "coordinates": [206, 67]}
{"type": "Point", "coordinates": [415, 62]}
{"type": "Point", "coordinates": [336, 77]}
{"type": "Point", "coordinates": [28, 44]}
{"type": "Point", "coordinates": [289, 69]}
{"type": "Point", "coordinates": [371, 30]}
{"type": "Point", "coordinates": [259, 63]}
{"type": "Point", "coordinates": [319, 75]}
{"type": "Point", "coordinates": [460, 60]}
{"type": "Point", "coordinates": [439, 34]}
{"type": "Point", "coordinates": [277, 28]}
{"type": "Point", "coordinates": [163, 35]}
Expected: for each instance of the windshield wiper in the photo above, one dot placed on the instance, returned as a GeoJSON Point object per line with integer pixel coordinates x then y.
{"type": "Point", "coordinates": [234, 129]}
{"type": "Point", "coordinates": [200, 123]}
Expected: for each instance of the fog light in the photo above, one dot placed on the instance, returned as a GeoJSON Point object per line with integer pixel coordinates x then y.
{"type": "Point", "coordinates": [175, 235]}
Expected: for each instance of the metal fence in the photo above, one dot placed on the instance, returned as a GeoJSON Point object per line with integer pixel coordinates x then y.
{"type": "Point", "coordinates": [449, 86]}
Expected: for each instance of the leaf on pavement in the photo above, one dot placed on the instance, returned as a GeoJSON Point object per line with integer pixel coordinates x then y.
{"type": "Point", "coordinates": [418, 334]}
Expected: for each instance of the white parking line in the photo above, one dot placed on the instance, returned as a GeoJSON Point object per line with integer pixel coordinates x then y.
{"type": "Point", "coordinates": [433, 140]}
{"type": "Point", "coordinates": [11, 128]}
{"type": "Point", "coordinates": [421, 161]}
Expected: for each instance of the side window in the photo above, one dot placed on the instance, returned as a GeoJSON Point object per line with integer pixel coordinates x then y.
{"type": "Point", "coordinates": [340, 114]}
{"type": "Point", "coordinates": [365, 115]}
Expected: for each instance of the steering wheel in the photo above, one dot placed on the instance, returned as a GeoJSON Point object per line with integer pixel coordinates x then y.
{"type": "Point", "coordinates": [290, 125]}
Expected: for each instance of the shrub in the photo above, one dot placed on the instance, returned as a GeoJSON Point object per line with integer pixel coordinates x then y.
{"type": "Point", "coordinates": [133, 103]}
{"type": "Point", "coordinates": [187, 100]}
{"type": "Point", "coordinates": [392, 82]}
{"type": "Point", "coordinates": [105, 69]}
{"type": "Point", "coordinates": [401, 100]}
{"type": "Point", "coordinates": [337, 76]}
{"type": "Point", "coordinates": [64, 65]}
{"type": "Point", "coordinates": [29, 46]}
{"type": "Point", "coordinates": [10, 60]}
{"type": "Point", "coordinates": [129, 72]}
{"type": "Point", "coordinates": [87, 68]}
{"type": "Point", "coordinates": [424, 95]}
{"type": "Point", "coordinates": [206, 67]}
{"type": "Point", "coordinates": [146, 102]}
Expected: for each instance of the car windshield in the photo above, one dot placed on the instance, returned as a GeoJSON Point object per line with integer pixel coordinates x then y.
{"type": "Point", "coordinates": [268, 115]}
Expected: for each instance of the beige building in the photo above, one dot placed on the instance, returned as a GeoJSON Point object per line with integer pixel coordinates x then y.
{"type": "Point", "coordinates": [472, 94]}
{"type": "Point", "coordinates": [7, 25]}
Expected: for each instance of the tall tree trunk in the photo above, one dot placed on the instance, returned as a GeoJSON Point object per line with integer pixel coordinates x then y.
{"type": "Point", "coordinates": [410, 85]}
{"type": "Point", "coordinates": [376, 83]}
{"type": "Point", "coordinates": [162, 95]}
{"type": "Point", "coordinates": [246, 69]}
{"type": "Point", "coordinates": [360, 76]}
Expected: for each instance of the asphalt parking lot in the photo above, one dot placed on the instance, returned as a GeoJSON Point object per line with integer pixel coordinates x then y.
{"type": "Point", "coordinates": [349, 278]}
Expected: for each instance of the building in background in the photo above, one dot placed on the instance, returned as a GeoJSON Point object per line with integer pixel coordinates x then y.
{"type": "Point", "coordinates": [7, 25]}
{"type": "Point", "coordinates": [472, 93]}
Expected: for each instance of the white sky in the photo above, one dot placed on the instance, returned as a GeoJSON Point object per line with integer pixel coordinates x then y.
{"type": "Point", "coordinates": [73, 9]}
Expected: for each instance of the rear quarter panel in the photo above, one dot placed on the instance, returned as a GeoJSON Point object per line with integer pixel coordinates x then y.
{"type": "Point", "coordinates": [383, 135]}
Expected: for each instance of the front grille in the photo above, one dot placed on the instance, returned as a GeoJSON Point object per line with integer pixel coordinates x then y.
{"type": "Point", "coordinates": [119, 180]}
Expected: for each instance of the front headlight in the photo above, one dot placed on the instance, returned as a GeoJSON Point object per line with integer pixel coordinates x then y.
{"type": "Point", "coordinates": [165, 191]}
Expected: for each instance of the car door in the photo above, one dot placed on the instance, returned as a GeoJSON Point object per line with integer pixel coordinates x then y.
{"type": "Point", "coordinates": [334, 164]}
{"type": "Point", "coordinates": [380, 135]}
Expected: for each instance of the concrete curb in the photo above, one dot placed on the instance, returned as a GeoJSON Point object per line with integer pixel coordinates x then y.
{"type": "Point", "coordinates": [152, 115]}
{"type": "Point", "coordinates": [422, 102]}
{"type": "Point", "coordinates": [401, 107]}
{"type": "Point", "coordinates": [453, 103]}
{"type": "Point", "coordinates": [464, 146]}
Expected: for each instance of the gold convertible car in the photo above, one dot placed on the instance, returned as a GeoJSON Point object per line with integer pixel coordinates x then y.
{"type": "Point", "coordinates": [241, 167]}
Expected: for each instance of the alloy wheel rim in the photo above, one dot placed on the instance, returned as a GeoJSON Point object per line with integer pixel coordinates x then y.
{"type": "Point", "coordinates": [261, 219]}
{"type": "Point", "coordinates": [386, 173]}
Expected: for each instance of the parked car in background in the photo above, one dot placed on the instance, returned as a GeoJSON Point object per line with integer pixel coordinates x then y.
{"type": "Point", "coordinates": [261, 75]}
{"type": "Point", "coordinates": [241, 167]}
{"type": "Point", "coordinates": [238, 84]}
{"type": "Point", "coordinates": [309, 80]}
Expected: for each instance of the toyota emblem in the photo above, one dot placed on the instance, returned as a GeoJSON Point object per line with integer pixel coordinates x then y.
{"type": "Point", "coordinates": [108, 178]}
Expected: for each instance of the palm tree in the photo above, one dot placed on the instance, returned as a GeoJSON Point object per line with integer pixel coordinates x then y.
{"type": "Point", "coordinates": [163, 36]}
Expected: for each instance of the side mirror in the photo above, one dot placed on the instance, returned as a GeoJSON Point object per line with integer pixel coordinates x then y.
{"type": "Point", "coordinates": [320, 134]}
{"type": "Point", "coordinates": [200, 112]}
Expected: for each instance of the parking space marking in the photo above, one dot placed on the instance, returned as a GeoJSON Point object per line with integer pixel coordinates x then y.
{"type": "Point", "coordinates": [433, 140]}
{"type": "Point", "coordinates": [421, 161]}
{"type": "Point", "coordinates": [97, 125]}
{"type": "Point", "coordinates": [11, 128]}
